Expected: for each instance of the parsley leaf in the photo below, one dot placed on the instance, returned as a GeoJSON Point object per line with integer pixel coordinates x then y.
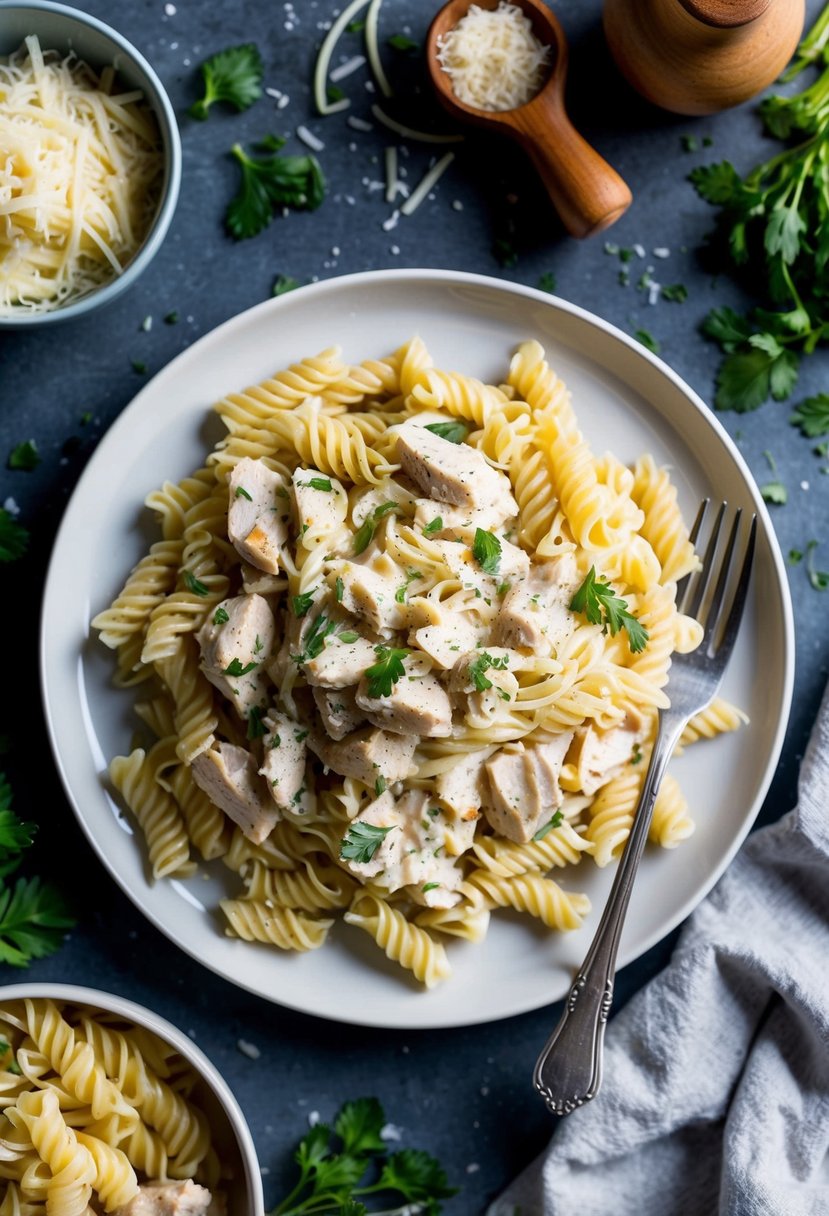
{"type": "Point", "coordinates": [365, 533]}
{"type": "Point", "coordinates": [435, 526]}
{"type": "Point", "coordinates": [547, 282]}
{"type": "Point", "coordinates": [774, 491]}
{"type": "Point", "coordinates": [674, 293]}
{"type": "Point", "coordinates": [320, 629]}
{"type": "Point", "coordinates": [241, 492]}
{"type": "Point", "coordinates": [256, 727]}
{"type": "Point", "coordinates": [483, 663]}
{"type": "Point", "coordinates": [361, 841]}
{"type": "Point", "coordinates": [14, 538]}
{"type": "Point", "coordinates": [648, 340]}
{"type": "Point", "coordinates": [812, 416]}
{"type": "Point", "coordinates": [32, 919]}
{"type": "Point", "coordinates": [601, 605]}
{"type": "Point", "coordinates": [359, 1125]}
{"type": "Point", "coordinates": [818, 578]}
{"type": "Point", "coordinates": [319, 483]}
{"type": "Point", "coordinates": [555, 822]}
{"type": "Point", "coordinates": [380, 786]}
{"type": "Point", "coordinates": [235, 668]}
{"type": "Point", "coordinates": [301, 603]}
{"type": "Point", "coordinates": [747, 377]}
{"type": "Point", "coordinates": [220, 617]}
{"type": "Point", "coordinates": [400, 593]}
{"type": "Point", "coordinates": [270, 183]}
{"type": "Point", "coordinates": [233, 75]}
{"type": "Point", "coordinates": [384, 674]}
{"type": "Point", "coordinates": [194, 585]}
{"type": "Point", "coordinates": [416, 1176]}
{"type": "Point", "coordinates": [25, 456]}
{"type": "Point", "coordinates": [486, 549]}
{"type": "Point", "coordinates": [399, 42]}
{"type": "Point", "coordinates": [339, 590]}
{"type": "Point", "coordinates": [283, 283]}
{"type": "Point", "coordinates": [454, 432]}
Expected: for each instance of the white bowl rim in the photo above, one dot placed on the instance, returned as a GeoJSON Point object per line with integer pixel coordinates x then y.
{"type": "Point", "coordinates": [171, 139]}
{"type": "Point", "coordinates": [111, 1002]}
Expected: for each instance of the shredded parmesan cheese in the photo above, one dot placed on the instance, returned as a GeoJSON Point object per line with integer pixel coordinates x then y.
{"type": "Point", "coordinates": [80, 175]}
{"type": "Point", "coordinates": [493, 58]}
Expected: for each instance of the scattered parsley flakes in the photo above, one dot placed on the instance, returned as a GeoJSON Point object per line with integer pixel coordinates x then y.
{"type": "Point", "coordinates": [194, 585]}
{"type": "Point", "coordinates": [384, 674]}
{"type": "Point", "coordinates": [139, 367]}
{"type": "Point", "coordinates": [334, 93]}
{"type": "Point", "coordinates": [674, 293]}
{"type": "Point", "coordinates": [339, 589]}
{"type": "Point", "coordinates": [233, 75]}
{"type": "Point", "coordinates": [320, 629]}
{"type": "Point", "coordinates": [301, 603]}
{"type": "Point", "coordinates": [348, 636]}
{"type": "Point", "coordinates": [24, 457]}
{"type": "Point", "coordinates": [435, 526]}
{"type": "Point", "coordinates": [818, 578]}
{"type": "Point", "coordinates": [690, 143]}
{"type": "Point", "coordinates": [319, 483]}
{"type": "Point", "coordinates": [380, 786]}
{"type": "Point", "coordinates": [555, 822]}
{"type": "Point", "coordinates": [774, 491]}
{"type": "Point", "coordinates": [361, 841]}
{"type": "Point", "coordinates": [453, 432]}
{"type": "Point", "coordinates": [365, 533]}
{"type": "Point", "coordinates": [283, 283]}
{"type": "Point", "coordinates": [648, 340]}
{"type": "Point", "coordinates": [399, 42]}
{"type": "Point", "coordinates": [241, 492]}
{"type": "Point", "coordinates": [547, 282]}
{"type": "Point", "coordinates": [429, 886]}
{"type": "Point", "coordinates": [172, 318]}
{"type": "Point", "coordinates": [269, 183]}
{"type": "Point", "coordinates": [602, 606]}
{"type": "Point", "coordinates": [235, 668]}
{"type": "Point", "coordinates": [86, 417]}
{"type": "Point", "coordinates": [505, 253]}
{"type": "Point", "coordinates": [481, 664]}
{"type": "Point", "coordinates": [220, 617]}
{"type": "Point", "coordinates": [357, 26]}
{"type": "Point", "coordinates": [795, 557]}
{"type": "Point", "coordinates": [636, 754]}
{"type": "Point", "coordinates": [486, 549]}
{"type": "Point", "coordinates": [256, 727]}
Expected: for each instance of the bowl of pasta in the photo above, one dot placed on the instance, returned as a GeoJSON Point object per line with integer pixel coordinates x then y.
{"type": "Point", "coordinates": [388, 645]}
{"type": "Point", "coordinates": [109, 1108]}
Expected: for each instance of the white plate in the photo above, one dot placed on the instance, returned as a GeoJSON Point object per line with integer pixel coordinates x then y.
{"type": "Point", "coordinates": [627, 401]}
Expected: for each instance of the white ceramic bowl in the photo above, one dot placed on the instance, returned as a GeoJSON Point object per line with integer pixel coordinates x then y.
{"type": "Point", "coordinates": [228, 1128]}
{"type": "Point", "coordinates": [65, 29]}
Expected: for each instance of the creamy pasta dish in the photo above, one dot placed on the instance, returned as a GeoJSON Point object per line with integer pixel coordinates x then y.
{"type": "Point", "coordinates": [401, 646]}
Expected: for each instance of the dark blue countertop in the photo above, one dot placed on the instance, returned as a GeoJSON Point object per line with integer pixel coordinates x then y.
{"type": "Point", "coordinates": [464, 1094]}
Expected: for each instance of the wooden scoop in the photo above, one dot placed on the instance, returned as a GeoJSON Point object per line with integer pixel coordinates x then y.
{"type": "Point", "coordinates": [586, 192]}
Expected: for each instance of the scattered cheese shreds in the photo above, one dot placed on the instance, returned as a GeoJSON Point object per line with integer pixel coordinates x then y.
{"type": "Point", "coordinates": [345, 69]}
{"type": "Point", "coordinates": [248, 1049]}
{"type": "Point", "coordinates": [324, 106]}
{"type": "Point", "coordinates": [309, 139]}
{"type": "Point", "coordinates": [429, 181]}
{"type": "Point", "coordinates": [493, 58]}
{"type": "Point", "coordinates": [391, 174]}
{"type": "Point", "coordinates": [80, 174]}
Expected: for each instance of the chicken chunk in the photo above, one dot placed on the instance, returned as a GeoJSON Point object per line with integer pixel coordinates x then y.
{"type": "Point", "coordinates": [536, 609]}
{"type": "Point", "coordinates": [257, 517]}
{"type": "Point", "coordinates": [168, 1199]}
{"type": "Point", "coordinates": [602, 754]}
{"type": "Point", "coordinates": [418, 705]}
{"type": "Point", "coordinates": [321, 506]}
{"type": "Point", "coordinates": [340, 663]}
{"type": "Point", "coordinates": [339, 711]}
{"type": "Point", "coordinates": [513, 564]}
{"type": "Point", "coordinates": [368, 755]}
{"type": "Point", "coordinates": [461, 787]}
{"type": "Point", "coordinates": [369, 592]}
{"type": "Point", "coordinates": [236, 642]}
{"type": "Point", "coordinates": [445, 640]}
{"type": "Point", "coordinates": [452, 473]}
{"type": "Point", "coordinates": [488, 516]}
{"type": "Point", "coordinates": [283, 766]}
{"type": "Point", "coordinates": [228, 775]}
{"type": "Point", "coordinates": [410, 853]}
{"type": "Point", "coordinates": [524, 792]}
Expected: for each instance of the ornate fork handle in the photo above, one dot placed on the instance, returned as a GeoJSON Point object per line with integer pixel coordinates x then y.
{"type": "Point", "coordinates": [569, 1069]}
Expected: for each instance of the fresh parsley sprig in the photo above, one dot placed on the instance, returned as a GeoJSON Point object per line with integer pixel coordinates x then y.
{"type": "Point", "coordinates": [270, 182]}
{"type": "Point", "coordinates": [384, 674]}
{"type": "Point", "coordinates": [602, 606]}
{"type": "Point", "coordinates": [453, 432]}
{"type": "Point", "coordinates": [362, 840]}
{"type": "Point", "coordinates": [482, 664]}
{"type": "Point", "coordinates": [486, 549]}
{"type": "Point", "coordinates": [233, 75]}
{"type": "Point", "coordinates": [365, 533]}
{"type": "Point", "coordinates": [334, 1162]}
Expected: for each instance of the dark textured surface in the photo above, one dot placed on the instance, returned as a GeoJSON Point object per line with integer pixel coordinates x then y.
{"type": "Point", "coordinates": [465, 1093]}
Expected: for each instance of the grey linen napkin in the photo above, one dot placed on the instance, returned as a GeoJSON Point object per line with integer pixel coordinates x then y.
{"type": "Point", "coordinates": [716, 1089]}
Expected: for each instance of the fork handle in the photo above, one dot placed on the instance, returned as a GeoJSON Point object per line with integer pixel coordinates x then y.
{"type": "Point", "coordinates": [569, 1070]}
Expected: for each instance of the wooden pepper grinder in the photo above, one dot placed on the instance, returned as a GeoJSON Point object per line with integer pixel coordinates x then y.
{"type": "Point", "coordinates": [701, 56]}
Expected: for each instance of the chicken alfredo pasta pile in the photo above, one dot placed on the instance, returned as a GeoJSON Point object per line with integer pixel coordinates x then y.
{"type": "Point", "coordinates": [98, 1117]}
{"type": "Point", "coordinates": [402, 643]}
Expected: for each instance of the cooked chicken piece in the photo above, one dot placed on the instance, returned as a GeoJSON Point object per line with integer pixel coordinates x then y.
{"type": "Point", "coordinates": [444, 641]}
{"type": "Point", "coordinates": [368, 755]}
{"type": "Point", "coordinates": [482, 674]}
{"type": "Point", "coordinates": [513, 564]}
{"type": "Point", "coordinates": [257, 582]}
{"type": "Point", "coordinates": [234, 651]}
{"type": "Point", "coordinates": [257, 518]}
{"type": "Point", "coordinates": [418, 705]}
{"type": "Point", "coordinates": [536, 610]}
{"type": "Point", "coordinates": [283, 767]}
{"type": "Point", "coordinates": [602, 754]}
{"type": "Point", "coordinates": [369, 592]}
{"type": "Point", "coordinates": [524, 792]}
{"type": "Point", "coordinates": [340, 663]}
{"type": "Point", "coordinates": [488, 516]}
{"type": "Point", "coordinates": [410, 854]}
{"type": "Point", "coordinates": [339, 711]}
{"type": "Point", "coordinates": [228, 775]}
{"type": "Point", "coordinates": [168, 1199]}
{"type": "Point", "coordinates": [321, 506]}
{"type": "Point", "coordinates": [452, 473]}
{"type": "Point", "coordinates": [461, 786]}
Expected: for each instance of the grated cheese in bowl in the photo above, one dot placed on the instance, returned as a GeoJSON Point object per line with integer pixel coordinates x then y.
{"type": "Point", "coordinates": [80, 178]}
{"type": "Point", "coordinates": [493, 58]}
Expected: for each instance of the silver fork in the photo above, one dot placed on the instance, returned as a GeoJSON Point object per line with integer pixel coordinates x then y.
{"type": "Point", "coordinates": [569, 1070]}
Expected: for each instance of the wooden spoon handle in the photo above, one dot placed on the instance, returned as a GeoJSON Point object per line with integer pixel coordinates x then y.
{"type": "Point", "coordinates": [586, 191]}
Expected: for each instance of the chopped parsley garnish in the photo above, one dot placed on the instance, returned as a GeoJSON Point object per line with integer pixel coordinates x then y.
{"type": "Point", "coordinates": [675, 293]}
{"type": "Point", "coordinates": [300, 735]}
{"type": "Point", "coordinates": [399, 42]}
{"type": "Point", "coordinates": [24, 457]}
{"type": "Point", "coordinates": [86, 418]}
{"type": "Point", "coordinates": [818, 578]}
{"type": "Point", "coordinates": [429, 886]}
{"type": "Point", "coordinates": [361, 841]}
{"type": "Point", "coordinates": [194, 585]}
{"type": "Point", "coordinates": [482, 664]}
{"type": "Point", "coordinates": [435, 526]}
{"type": "Point", "coordinates": [486, 549]}
{"type": "Point", "coordinates": [256, 727]}
{"type": "Point", "coordinates": [14, 538]}
{"type": "Point", "coordinates": [365, 533]}
{"type": "Point", "coordinates": [234, 76]}
{"type": "Point", "coordinates": [283, 283]}
{"type": "Point", "coordinates": [602, 606]}
{"type": "Point", "coordinates": [319, 483]}
{"type": "Point", "coordinates": [258, 645]}
{"type": "Point", "coordinates": [172, 318]}
{"type": "Point", "coordinates": [384, 674]}
{"type": "Point", "coordinates": [774, 491]}
{"type": "Point", "coordinates": [648, 340]}
{"type": "Point", "coordinates": [502, 588]}
{"type": "Point", "coordinates": [269, 183]}
{"type": "Point", "coordinates": [334, 93]}
{"type": "Point", "coordinates": [555, 822]}
{"type": "Point", "coordinates": [505, 253]}
{"type": "Point", "coordinates": [547, 282]}
{"type": "Point", "coordinates": [690, 143]}
{"type": "Point", "coordinates": [339, 588]}
{"type": "Point", "coordinates": [241, 492]}
{"type": "Point", "coordinates": [357, 26]}
{"type": "Point", "coordinates": [380, 786]}
{"type": "Point", "coordinates": [236, 668]}
{"type": "Point", "coordinates": [636, 754]}
{"type": "Point", "coordinates": [139, 366]}
{"type": "Point", "coordinates": [795, 557]}
{"type": "Point", "coordinates": [276, 741]}
{"type": "Point", "coordinates": [320, 629]}
{"type": "Point", "coordinates": [348, 636]}
{"type": "Point", "coordinates": [812, 416]}
{"type": "Point", "coordinates": [400, 593]}
{"type": "Point", "coordinates": [301, 603]}
{"type": "Point", "coordinates": [220, 617]}
{"type": "Point", "coordinates": [453, 432]}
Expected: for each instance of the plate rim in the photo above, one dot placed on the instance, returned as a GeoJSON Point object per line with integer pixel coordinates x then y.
{"type": "Point", "coordinates": [557, 304]}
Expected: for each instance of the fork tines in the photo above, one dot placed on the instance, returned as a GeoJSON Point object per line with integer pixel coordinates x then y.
{"type": "Point", "coordinates": [702, 594]}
